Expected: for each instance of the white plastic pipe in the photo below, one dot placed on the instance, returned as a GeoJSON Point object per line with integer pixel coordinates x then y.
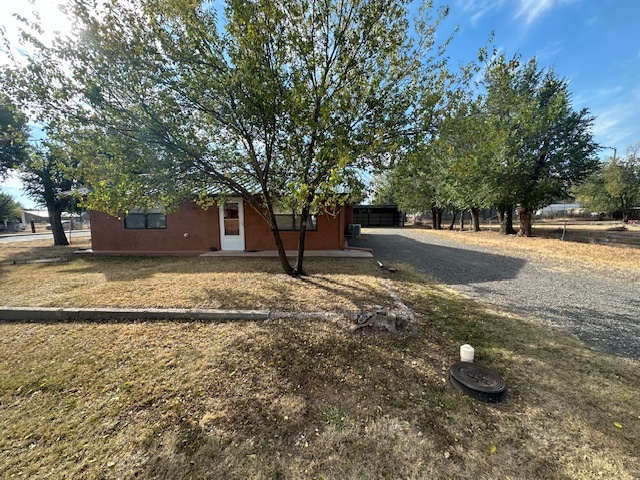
{"type": "Point", "coordinates": [466, 353]}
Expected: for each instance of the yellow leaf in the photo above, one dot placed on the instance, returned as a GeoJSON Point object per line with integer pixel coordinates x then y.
{"type": "Point", "coordinates": [493, 449]}
{"type": "Point", "coordinates": [617, 424]}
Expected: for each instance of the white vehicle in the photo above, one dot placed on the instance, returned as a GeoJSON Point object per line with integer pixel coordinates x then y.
{"type": "Point", "coordinates": [66, 224]}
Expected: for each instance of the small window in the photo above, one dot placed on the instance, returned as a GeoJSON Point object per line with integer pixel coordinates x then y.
{"type": "Point", "coordinates": [152, 219]}
{"type": "Point", "coordinates": [290, 221]}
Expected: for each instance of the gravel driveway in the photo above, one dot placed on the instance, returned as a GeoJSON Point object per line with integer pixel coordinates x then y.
{"type": "Point", "coordinates": [604, 312]}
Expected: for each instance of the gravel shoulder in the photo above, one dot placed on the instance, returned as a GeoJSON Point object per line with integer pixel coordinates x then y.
{"type": "Point", "coordinates": [602, 310]}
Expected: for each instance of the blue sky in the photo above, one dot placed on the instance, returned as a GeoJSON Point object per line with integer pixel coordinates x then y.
{"type": "Point", "coordinates": [595, 44]}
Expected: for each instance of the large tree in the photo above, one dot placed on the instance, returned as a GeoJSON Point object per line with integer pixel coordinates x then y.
{"type": "Point", "coordinates": [38, 81]}
{"type": "Point", "coordinates": [46, 178]}
{"type": "Point", "coordinates": [9, 208]}
{"type": "Point", "coordinates": [548, 146]}
{"type": "Point", "coordinates": [416, 185]}
{"type": "Point", "coordinates": [449, 169]}
{"type": "Point", "coordinates": [468, 149]}
{"type": "Point", "coordinates": [14, 133]}
{"type": "Point", "coordinates": [284, 105]}
{"type": "Point", "coordinates": [615, 186]}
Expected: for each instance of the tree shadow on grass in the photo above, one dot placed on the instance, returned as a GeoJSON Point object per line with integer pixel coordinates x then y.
{"type": "Point", "coordinates": [117, 268]}
{"type": "Point", "coordinates": [310, 391]}
{"type": "Point", "coordinates": [453, 266]}
{"type": "Point", "coordinates": [313, 401]}
{"type": "Point", "coordinates": [189, 282]}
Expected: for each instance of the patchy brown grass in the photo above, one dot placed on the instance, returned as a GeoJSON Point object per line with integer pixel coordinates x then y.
{"type": "Point", "coordinates": [291, 398]}
{"type": "Point", "coordinates": [311, 399]}
{"type": "Point", "coordinates": [184, 282]}
{"type": "Point", "coordinates": [546, 245]}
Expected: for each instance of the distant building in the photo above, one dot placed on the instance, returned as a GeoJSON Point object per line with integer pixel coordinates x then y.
{"type": "Point", "coordinates": [378, 216]}
{"type": "Point", "coordinates": [38, 216]}
{"type": "Point", "coordinates": [562, 210]}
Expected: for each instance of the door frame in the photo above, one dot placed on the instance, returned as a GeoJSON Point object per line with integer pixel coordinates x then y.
{"type": "Point", "coordinates": [232, 242]}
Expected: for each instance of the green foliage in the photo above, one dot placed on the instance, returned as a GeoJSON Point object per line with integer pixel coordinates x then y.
{"type": "Point", "coordinates": [384, 192]}
{"type": "Point", "coordinates": [44, 175]}
{"type": "Point", "coordinates": [615, 187]}
{"type": "Point", "coordinates": [414, 186]}
{"type": "Point", "coordinates": [39, 83]}
{"type": "Point", "coordinates": [468, 151]}
{"type": "Point", "coordinates": [47, 177]}
{"type": "Point", "coordinates": [14, 133]}
{"type": "Point", "coordinates": [519, 142]}
{"type": "Point", "coordinates": [285, 105]}
{"type": "Point", "coordinates": [9, 208]}
{"type": "Point", "coordinates": [547, 146]}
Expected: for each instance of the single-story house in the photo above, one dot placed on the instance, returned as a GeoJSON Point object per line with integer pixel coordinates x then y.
{"type": "Point", "coordinates": [194, 230]}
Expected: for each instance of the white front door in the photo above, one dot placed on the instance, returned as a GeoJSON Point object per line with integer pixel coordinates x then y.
{"type": "Point", "coordinates": [232, 225]}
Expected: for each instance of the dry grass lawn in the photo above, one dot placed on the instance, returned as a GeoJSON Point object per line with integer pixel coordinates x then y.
{"type": "Point", "coordinates": [183, 282]}
{"type": "Point", "coordinates": [291, 399]}
{"type": "Point", "coordinates": [614, 257]}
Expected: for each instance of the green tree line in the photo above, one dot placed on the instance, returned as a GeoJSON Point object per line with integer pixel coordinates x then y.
{"type": "Point", "coordinates": [518, 143]}
{"type": "Point", "coordinates": [615, 187]}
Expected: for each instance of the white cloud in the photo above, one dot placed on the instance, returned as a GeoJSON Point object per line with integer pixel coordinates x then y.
{"type": "Point", "coordinates": [611, 126]}
{"type": "Point", "coordinates": [550, 52]}
{"type": "Point", "coordinates": [606, 92]}
{"type": "Point", "coordinates": [532, 9]}
{"type": "Point", "coordinates": [480, 8]}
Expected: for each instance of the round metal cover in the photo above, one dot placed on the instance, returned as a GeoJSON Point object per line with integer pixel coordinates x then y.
{"type": "Point", "coordinates": [478, 381]}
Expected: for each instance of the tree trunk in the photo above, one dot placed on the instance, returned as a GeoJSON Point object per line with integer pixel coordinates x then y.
{"type": "Point", "coordinates": [502, 217]}
{"type": "Point", "coordinates": [301, 240]}
{"type": "Point", "coordinates": [475, 219]}
{"type": "Point", "coordinates": [436, 218]}
{"type": "Point", "coordinates": [509, 221]}
{"type": "Point", "coordinates": [55, 219]}
{"type": "Point", "coordinates": [505, 214]}
{"type": "Point", "coordinates": [453, 219]}
{"type": "Point", "coordinates": [282, 254]}
{"type": "Point", "coordinates": [525, 216]}
{"type": "Point", "coordinates": [462, 221]}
